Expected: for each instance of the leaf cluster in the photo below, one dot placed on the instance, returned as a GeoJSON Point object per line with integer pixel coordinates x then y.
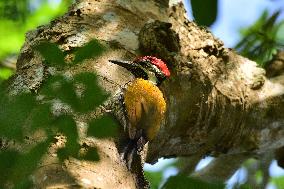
{"type": "Point", "coordinates": [204, 12]}
{"type": "Point", "coordinates": [50, 111]}
{"type": "Point", "coordinates": [18, 17]}
{"type": "Point", "coordinates": [262, 39]}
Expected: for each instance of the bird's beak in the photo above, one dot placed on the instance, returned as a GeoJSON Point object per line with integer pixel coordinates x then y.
{"type": "Point", "coordinates": [130, 66]}
{"type": "Point", "coordinates": [126, 64]}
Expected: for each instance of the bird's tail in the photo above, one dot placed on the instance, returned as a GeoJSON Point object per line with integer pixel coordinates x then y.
{"type": "Point", "coordinates": [131, 151]}
{"type": "Point", "coordinates": [131, 156]}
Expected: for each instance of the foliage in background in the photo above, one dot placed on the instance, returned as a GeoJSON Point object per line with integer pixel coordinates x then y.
{"type": "Point", "coordinates": [27, 114]}
{"type": "Point", "coordinates": [185, 182]}
{"type": "Point", "coordinates": [155, 178]}
{"type": "Point", "coordinates": [18, 17]}
{"type": "Point", "coordinates": [262, 39]}
{"type": "Point", "coordinates": [205, 11]}
{"type": "Point", "coordinates": [278, 181]}
{"type": "Point", "coordinates": [159, 178]}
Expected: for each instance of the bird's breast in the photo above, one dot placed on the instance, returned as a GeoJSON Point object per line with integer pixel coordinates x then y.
{"type": "Point", "coordinates": [145, 107]}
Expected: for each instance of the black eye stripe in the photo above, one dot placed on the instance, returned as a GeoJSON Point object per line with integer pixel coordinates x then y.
{"type": "Point", "coordinates": [147, 65]}
{"type": "Point", "coordinates": [150, 66]}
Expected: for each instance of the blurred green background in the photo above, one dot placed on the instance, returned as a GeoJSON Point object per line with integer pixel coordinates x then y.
{"type": "Point", "coordinates": [16, 18]}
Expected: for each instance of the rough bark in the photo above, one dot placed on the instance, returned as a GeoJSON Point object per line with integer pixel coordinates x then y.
{"type": "Point", "coordinates": [218, 102]}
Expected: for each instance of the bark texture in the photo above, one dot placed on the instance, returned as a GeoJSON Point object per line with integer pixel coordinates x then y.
{"type": "Point", "coordinates": [219, 103]}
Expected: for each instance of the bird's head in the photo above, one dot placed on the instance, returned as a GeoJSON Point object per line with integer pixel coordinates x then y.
{"type": "Point", "coordinates": [146, 67]}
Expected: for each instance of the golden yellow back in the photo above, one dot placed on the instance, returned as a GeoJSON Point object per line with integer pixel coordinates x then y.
{"type": "Point", "coordinates": [145, 107]}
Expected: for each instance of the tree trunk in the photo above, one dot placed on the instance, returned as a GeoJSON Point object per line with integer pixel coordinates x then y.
{"type": "Point", "coordinates": [218, 103]}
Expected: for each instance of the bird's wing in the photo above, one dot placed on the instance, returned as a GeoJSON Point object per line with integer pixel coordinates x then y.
{"type": "Point", "coordinates": [136, 112]}
{"type": "Point", "coordinates": [140, 118]}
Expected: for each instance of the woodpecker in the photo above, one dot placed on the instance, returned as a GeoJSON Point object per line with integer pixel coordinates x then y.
{"type": "Point", "coordinates": [143, 101]}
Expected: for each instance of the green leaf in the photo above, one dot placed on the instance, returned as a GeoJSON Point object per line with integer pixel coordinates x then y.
{"type": "Point", "coordinates": [71, 149]}
{"type": "Point", "coordinates": [41, 117]}
{"type": "Point", "coordinates": [103, 127]}
{"type": "Point", "coordinates": [67, 126]}
{"type": "Point", "coordinates": [15, 21]}
{"type": "Point", "coordinates": [185, 182]}
{"type": "Point", "coordinates": [5, 73]}
{"type": "Point", "coordinates": [91, 50]}
{"type": "Point", "coordinates": [59, 87]}
{"type": "Point", "coordinates": [51, 53]}
{"type": "Point", "coordinates": [270, 23]}
{"type": "Point", "coordinates": [155, 178]}
{"type": "Point", "coordinates": [204, 11]}
{"type": "Point", "coordinates": [243, 186]}
{"type": "Point", "coordinates": [91, 155]}
{"type": "Point", "coordinates": [28, 162]}
{"type": "Point", "coordinates": [92, 94]}
{"type": "Point", "coordinates": [65, 153]}
{"type": "Point", "coordinates": [14, 112]}
{"type": "Point", "coordinates": [280, 33]}
{"type": "Point", "coordinates": [11, 39]}
{"type": "Point", "coordinates": [27, 183]}
{"type": "Point", "coordinates": [278, 181]}
{"type": "Point", "coordinates": [8, 159]}
{"type": "Point", "coordinates": [261, 40]}
{"type": "Point", "coordinates": [46, 12]}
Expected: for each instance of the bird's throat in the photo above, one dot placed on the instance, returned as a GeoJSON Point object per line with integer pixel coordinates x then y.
{"type": "Point", "coordinates": [152, 78]}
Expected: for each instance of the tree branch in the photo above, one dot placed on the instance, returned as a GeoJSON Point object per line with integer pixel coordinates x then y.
{"type": "Point", "coordinates": [221, 169]}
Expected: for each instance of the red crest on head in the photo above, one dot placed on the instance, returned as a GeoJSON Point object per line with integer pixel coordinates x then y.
{"type": "Point", "coordinates": [157, 62]}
